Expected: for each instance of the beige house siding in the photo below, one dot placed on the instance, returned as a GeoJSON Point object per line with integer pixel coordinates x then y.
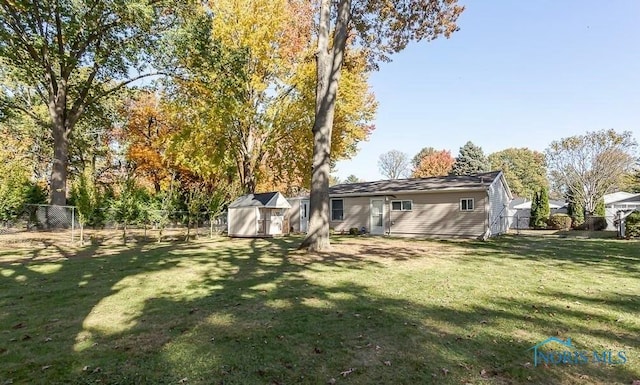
{"type": "Point", "coordinates": [439, 215]}
{"type": "Point", "coordinates": [356, 214]}
{"type": "Point", "coordinates": [432, 215]}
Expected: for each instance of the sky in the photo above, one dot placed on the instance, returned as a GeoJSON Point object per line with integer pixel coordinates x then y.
{"type": "Point", "coordinates": [517, 74]}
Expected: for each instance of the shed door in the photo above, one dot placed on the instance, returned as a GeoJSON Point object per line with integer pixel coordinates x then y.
{"type": "Point", "coordinates": [377, 216]}
{"type": "Point", "coordinates": [304, 216]}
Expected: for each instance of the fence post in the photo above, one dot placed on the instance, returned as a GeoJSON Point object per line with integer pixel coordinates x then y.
{"type": "Point", "coordinates": [73, 222]}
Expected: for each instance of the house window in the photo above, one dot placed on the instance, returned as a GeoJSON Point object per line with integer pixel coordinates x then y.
{"type": "Point", "coordinates": [337, 209]}
{"type": "Point", "coordinates": [401, 205]}
{"type": "Point", "coordinates": [466, 204]}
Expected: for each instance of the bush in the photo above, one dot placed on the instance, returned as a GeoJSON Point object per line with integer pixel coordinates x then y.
{"type": "Point", "coordinates": [593, 224]}
{"type": "Point", "coordinates": [633, 225]}
{"type": "Point", "coordinates": [354, 231]}
{"type": "Point", "coordinates": [560, 222]}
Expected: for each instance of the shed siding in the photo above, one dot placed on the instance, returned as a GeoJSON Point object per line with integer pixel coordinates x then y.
{"type": "Point", "coordinates": [439, 215]}
{"type": "Point", "coordinates": [498, 208]}
{"type": "Point", "coordinates": [243, 221]}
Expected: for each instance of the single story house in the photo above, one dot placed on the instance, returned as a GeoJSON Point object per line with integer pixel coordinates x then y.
{"type": "Point", "coordinates": [258, 215]}
{"type": "Point", "coordinates": [619, 201]}
{"type": "Point", "coordinates": [470, 206]}
{"type": "Point", "coordinates": [298, 214]}
{"type": "Point", "coordinates": [520, 211]}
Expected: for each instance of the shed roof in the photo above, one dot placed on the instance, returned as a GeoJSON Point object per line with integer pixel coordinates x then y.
{"type": "Point", "coordinates": [552, 205]}
{"type": "Point", "coordinates": [439, 183]}
{"type": "Point", "coordinates": [273, 200]}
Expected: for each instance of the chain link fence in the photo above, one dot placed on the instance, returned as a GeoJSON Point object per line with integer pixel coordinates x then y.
{"type": "Point", "coordinates": [48, 224]}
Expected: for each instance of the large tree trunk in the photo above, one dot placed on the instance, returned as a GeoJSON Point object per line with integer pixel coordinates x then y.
{"type": "Point", "coordinates": [329, 64]}
{"type": "Point", "coordinates": [60, 157]}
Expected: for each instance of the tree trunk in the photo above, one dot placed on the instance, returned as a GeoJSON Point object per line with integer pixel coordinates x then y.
{"type": "Point", "coordinates": [329, 64]}
{"type": "Point", "coordinates": [60, 159]}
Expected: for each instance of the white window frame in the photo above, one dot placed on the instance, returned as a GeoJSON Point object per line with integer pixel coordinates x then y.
{"type": "Point", "coordinates": [402, 204]}
{"type": "Point", "coordinates": [331, 208]}
{"type": "Point", "coordinates": [473, 204]}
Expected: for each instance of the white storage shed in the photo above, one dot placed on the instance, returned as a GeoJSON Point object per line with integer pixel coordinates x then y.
{"type": "Point", "coordinates": [258, 215]}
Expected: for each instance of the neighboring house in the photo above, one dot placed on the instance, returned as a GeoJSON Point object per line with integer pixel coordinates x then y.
{"type": "Point", "coordinates": [619, 201]}
{"type": "Point", "coordinates": [258, 215]}
{"type": "Point", "coordinates": [474, 206]}
{"type": "Point", "coordinates": [298, 214]}
{"type": "Point", "coordinates": [520, 211]}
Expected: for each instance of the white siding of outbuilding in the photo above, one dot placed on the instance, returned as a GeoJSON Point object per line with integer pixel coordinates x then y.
{"type": "Point", "coordinates": [498, 207]}
{"type": "Point", "coordinates": [243, 222]}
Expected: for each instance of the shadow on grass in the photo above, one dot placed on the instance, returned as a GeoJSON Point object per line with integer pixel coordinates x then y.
{"type": "Point", "coordinates": [256, 312]}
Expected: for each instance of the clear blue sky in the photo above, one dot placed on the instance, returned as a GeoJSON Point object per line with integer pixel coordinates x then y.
{"type": "Point", "coordinates": [517, 74]}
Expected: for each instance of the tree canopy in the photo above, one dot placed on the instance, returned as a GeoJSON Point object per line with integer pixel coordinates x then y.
{"type": "Point", "coordinates": [68, 55]}
{"type": "Point", "coordinates": [471, 160]}
{"type": "Point", "coordinates": [524, 169]}
{"type": "Point", "coordinates": [586, 167]}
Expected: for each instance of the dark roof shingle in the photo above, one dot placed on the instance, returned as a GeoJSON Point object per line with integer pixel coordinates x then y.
{"type": "Point", "coordinates": [453, 182]}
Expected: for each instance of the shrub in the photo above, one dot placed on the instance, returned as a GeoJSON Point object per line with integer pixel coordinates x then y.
{"type": "Point", "coordinates": [560, 222]}
{"type": "Point", "coordinates": [354, 231]}
{"type": "Point", "coordinates": [593, 224]}
{"type": "Point", "coordinates": [633, 225]}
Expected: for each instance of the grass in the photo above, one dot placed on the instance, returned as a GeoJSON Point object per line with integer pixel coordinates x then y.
{"type": "Point", "coordinates": [374, 310]}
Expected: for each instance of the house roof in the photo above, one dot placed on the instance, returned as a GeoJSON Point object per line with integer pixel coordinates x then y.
{"type": "Point", "coordinates": [440, 183]}
{"type": "Point", "coordinates": [620, 196]}
{"type": "Point", "coordinates": [273, 200]}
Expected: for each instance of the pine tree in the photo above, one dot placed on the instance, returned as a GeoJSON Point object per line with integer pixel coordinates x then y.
{"type": "Point", "coordinates": [543, 208]}
{"type": "Point", "coordinates": [533, 217]}
{"type": "Point", "coordinates": [470, 161]}
{"type": "Point", "coordinates": [600, 210]}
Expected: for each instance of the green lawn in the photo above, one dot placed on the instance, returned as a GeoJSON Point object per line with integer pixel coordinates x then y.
{"type": "Point", "coordinates": [373, 311]}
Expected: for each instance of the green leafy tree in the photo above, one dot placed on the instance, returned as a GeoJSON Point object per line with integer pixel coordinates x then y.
{"type": "Point", "coordinates": [68, 55]}
{"type": "Point", "coordinates": [380, 28]}
{"type": "Point", "coordinates": [471, 160]}
{"type": "Point", "coordinates": [524, 169]}
{"type": "Point", "coordinates": [352, 179]}
{"type": "Point", "coordinates": [127, 205]}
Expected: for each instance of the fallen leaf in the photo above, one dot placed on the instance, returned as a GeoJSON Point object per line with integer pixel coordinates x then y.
{"type": "Point", "coordinates": [96, 370]}
{"type": "Point", "coordinates": [193, 310]}
{"type": "Point", "coordinates": [18, 326]}
{"type": "Point", "coordinates": [387, 363]}
{"type": "Point", "coordinates": [347, 372]}
{"type": "Point", "coordinates": [183, 380]}
{"type": "Point", "coordinates": [45, 367]}
{"type": "Point", "coordinates": [484, 374]}
{"type": "Point", "coordinates": [445, 371]}
{"type": "Point", "coordinates": [47, 339]}
{"type": "Point", "coordinates": [84, 369]}
{"type": "Point", "coordinates": [331, 381]}
{"type": "Point", "coordinates": [26, 337]}
{"type": "Point", "coordinates": [483, 321]}
{"type": "Point", "coordinates": [8, 382]}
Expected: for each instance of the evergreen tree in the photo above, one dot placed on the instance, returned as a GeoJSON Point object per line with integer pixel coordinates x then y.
{"type": "Point", "coordinates": [600, 210]}
{"type": "Point", "coordinates": [470, 161]}
{"type": "Point", "coordinates": [533, 217]}
{"type": "Point", "coordinates": [543, 208]}
{"type": "Point", "coordinates": [575, 211]}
